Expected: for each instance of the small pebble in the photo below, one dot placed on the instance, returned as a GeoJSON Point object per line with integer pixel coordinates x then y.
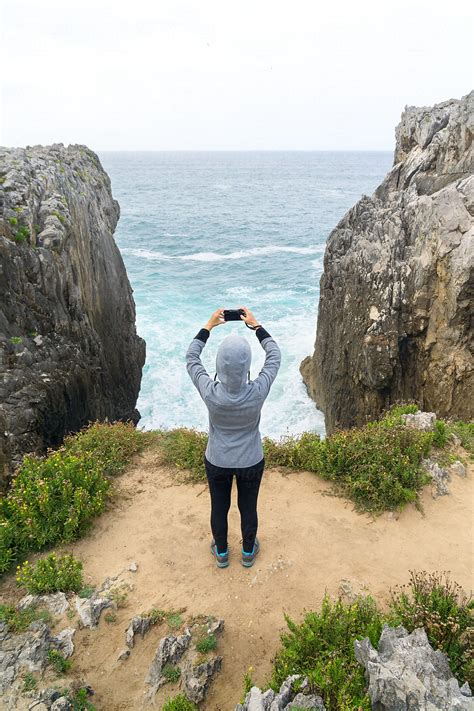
{"type": "Point", "coordinates": [133, 567]}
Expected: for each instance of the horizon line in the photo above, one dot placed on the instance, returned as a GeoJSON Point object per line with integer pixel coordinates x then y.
{"type": "Point", "coordinates": [241, 150]}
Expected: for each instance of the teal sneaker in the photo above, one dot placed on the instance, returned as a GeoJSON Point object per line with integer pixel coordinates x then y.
{"type": "Point", "coordinates": [222, 559]}
{"type": "Point", "coordinates": [248, 559]}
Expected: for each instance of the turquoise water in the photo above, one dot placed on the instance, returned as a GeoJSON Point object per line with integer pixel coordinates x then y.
{"type": "Point", "coordinates": [199, 231]}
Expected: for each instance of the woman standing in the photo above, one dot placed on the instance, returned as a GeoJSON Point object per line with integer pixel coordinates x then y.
{"type": "Point", "coordinates": [234, 446]}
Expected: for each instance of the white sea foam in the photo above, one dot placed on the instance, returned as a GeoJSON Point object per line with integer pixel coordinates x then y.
{"type": "Point", "coordinates": [221, 256]}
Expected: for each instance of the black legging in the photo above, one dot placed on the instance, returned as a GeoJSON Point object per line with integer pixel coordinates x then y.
{"type": "Point", "coordinates": [220, 487]}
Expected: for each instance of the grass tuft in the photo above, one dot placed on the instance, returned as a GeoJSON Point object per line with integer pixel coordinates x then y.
{"type": "Point", "coordinates": [179, 703]}
{"type": "Point", "coordinates": [51, 574]}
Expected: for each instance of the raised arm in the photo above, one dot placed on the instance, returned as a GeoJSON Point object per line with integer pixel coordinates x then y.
{"type": "Point", "coordinates": [271, 366]}
{"type": "Point", "coordinates": [194, 366]}
{"type": "Point", "coordinates": [267, 375]}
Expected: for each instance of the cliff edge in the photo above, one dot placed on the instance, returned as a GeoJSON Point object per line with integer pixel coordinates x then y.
{"type": "Point", "coordinates": [69, 351]}
{"type": "Point", "coordinates": [396, 301]}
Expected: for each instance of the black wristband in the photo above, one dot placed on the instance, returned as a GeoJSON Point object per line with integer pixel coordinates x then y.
{"type": "Point", "coordinates": [202, 335]}
{"type": "Point", "coordinates": [261, 333]}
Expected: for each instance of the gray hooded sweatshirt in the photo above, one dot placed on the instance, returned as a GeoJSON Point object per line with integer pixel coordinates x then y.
{"type": "Point", "coordinates": [234, 402]}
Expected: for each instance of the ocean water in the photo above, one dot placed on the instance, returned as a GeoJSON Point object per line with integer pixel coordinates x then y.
{"type": "Point", "coordinates": [199, 231]}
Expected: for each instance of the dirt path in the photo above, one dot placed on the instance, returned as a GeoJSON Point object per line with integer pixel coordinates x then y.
{"type": "Point", "coordinates": [310, 542]}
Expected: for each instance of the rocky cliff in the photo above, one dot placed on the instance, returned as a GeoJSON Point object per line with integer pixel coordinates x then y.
{"type": "Point", "coordinates": [396, 301]}
{"type": "Point", "coordinates": [69, 351]}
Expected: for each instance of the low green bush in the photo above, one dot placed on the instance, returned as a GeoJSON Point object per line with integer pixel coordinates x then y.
{"type": "Point", "coordinates": [465, 432]}
{"type": "Point", "coordinates": [207, 644]}
{"type": "Point", "coordinates": [171, 673]}
{"type": "Point", "coordinates": [184, 448]}
{"type": "Point", "coordinates": [60, 664]}
{"type": "Point", "coordinates": [50, 574]}
{"type": "Point", "coordinates": [377, 466]}
{"type": "Point", "coordinates": [19, 620]}
{"type": "Point", "coordinates": [322, 648]}
{"type": "Point", "coordinates": [111, 446]}
{"type": "Point", "coordinates": [179, 703]}
{"type": "Point", "coordinates": [53, 499]}
{"type": "Point", "coordinates": [435, 602]}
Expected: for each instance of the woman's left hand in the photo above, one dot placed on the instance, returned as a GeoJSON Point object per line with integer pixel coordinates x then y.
{"type": "Point", "coordinates": [216, 319]}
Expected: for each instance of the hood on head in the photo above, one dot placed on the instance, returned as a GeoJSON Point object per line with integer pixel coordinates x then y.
{"type": "Point", "coordinates": [233, 362]}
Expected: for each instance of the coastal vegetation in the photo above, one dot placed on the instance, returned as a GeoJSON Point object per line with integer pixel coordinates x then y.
{"type": "Point", "coordinates": [53, 499]}
{"type": "Point", "coordinates": [321, 647]}
{"type": "Point", "coordinates": [378, 466]}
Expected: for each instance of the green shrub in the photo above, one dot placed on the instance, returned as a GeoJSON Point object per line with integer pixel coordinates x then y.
{"type": "Point", "coordinates": [8, 540]}
{"type": "Point", "coordinates": [393, 416]}
{"type": "Point", "coordinates": [465, 432]}
{"type": "Point", "coordinates": [16, 340]}
{"type": "Point", "coordinates": [50, 574]}
{"type": "Point", "coordinates": [54, 499]}
{"type": "Point", "coordinates": [207, 643]}
{"type": "Point", "coordinates": [184, 448]}
{"type": "Point", "coordinates": [440, 434]}
{"type": "Point", "coordinates": [377, 466]}
{"type": "Point", "coordinates": [60, 664]}
{"type": "Point", "coordinates": [20, 620]}
{"type": "Point", "coordinates": [322, 648]}
{"type": "Point", "coordinates": [179, 703]}
{"type": "Point", "coordinates": [111, 446]}
{"type": "Point", "coordinates": [29, 682]}
{"type": "Point", "coordinates": [171, 673]}
{"type": "Point", "coordinates": [21, 235]}
{"type": "Point", "coordinates": [79, 700]}
{"type": "Point", "coordinates": [441, 606]}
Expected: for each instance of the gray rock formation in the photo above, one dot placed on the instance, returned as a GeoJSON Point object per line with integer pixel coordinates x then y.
{"type": "Point", "coordinates": [140, 624]}
{"type": "Point", "coordinates": [407, 674]}
{"type": "Point", "coordinates": [63, 642]}
{"type": "Point", "coordinates": [170, 650]}
{"type": "Point", "coordinates": [285, 700]}
{"type": "Point", "coordinates": [440, 477]}
{"type": "Point", "coordinates": [56, 602]}
{"type": "Point", "coordinates": [25, 651]}
{"type": "Point", "coordinates": [197, 679]}
{"type": "Point", "coordinates": [395, 309]}
{"type": "Point", "coordinates": [69, 351]}
{"type": "Point", "coordinates": [90, 609]}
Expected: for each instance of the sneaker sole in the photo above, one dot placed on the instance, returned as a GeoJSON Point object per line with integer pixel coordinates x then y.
{"type": "Point", "coordinates": [248, 564]}
{"type": "Point", "coordinates": [224, 564]}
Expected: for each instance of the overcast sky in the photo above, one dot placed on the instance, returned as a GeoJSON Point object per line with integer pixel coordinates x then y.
{"type": "Point", "coordinates": [216, 74]}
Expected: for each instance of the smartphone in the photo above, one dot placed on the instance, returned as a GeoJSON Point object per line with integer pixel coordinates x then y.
{"type": "Point", "coordinates": [233, 314]}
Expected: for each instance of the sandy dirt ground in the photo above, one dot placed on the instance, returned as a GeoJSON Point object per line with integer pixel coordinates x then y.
{"type": "Point", "coordinates": [311, 541]}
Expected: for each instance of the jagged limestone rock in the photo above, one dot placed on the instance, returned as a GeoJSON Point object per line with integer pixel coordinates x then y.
{"type": "Point", "coordinates": [395, 308]}
{"type": "Point", "coordinates": [406, 674]}
{"type": "Point", "coordinates": [169, 651]}
{"type": "Point", "coordinates": [69, 351]}
{"type": "Point", "coordinates": [197, 679]}
{"type": "Point", "coordinates": [439, 477]}
{"type": "Point", "coordinates": [25, 651]}
{"type": "Point", "coordinates": [90, 609]}
{"type": "Point", "coordinates": [55, 602]}
{"type": "Point", "coordinates": [63, 641]}
{"type": "Point", "coordinates": [285, 700]}
{"type": "Point", "coordinates": [139, 625]}
{"type": "Point", "coordinates": [61, 704]}
{"type": "Point", "coordinates": [458, 468]}
{"type": "Point", "coordinates": [424, 421]}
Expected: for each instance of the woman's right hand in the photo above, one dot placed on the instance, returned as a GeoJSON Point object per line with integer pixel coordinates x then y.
{"type": "Point", "coordinates": [248, 316]}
